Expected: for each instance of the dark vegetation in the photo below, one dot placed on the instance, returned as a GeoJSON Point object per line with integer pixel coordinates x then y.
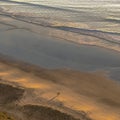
{"type": "Point", "coordinates": [34, 112]}
{"type": "Point", "coordinates": [10, 94]}
{"type": "Point", "coordinates": [5, 116]}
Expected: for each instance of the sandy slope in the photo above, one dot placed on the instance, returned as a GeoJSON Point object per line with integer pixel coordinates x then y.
{"type": "Point", "coordinates": [65, 90]}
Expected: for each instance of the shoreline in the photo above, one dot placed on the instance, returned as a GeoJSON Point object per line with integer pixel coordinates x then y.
{"type": "Point", "coordinates": [41, 31]}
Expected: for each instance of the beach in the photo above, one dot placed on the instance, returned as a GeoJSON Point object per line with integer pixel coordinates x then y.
{"type": "Point", "coordinates": [59, 61]}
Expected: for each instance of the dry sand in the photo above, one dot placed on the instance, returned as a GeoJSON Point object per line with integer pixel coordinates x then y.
{"type": "Point", "coordinates": [69, 91]}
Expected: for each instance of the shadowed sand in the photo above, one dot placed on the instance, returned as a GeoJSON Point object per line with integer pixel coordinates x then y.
{"type": "Point", "coordinates": [72, 92]}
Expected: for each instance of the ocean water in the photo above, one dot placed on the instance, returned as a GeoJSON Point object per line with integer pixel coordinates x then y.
{"type": "Point", "coordinates": [80, 21]}
{"type": "Point", "coordinates": [89, 22]}
{"type": "Point", "coordinates": [52, 53]}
